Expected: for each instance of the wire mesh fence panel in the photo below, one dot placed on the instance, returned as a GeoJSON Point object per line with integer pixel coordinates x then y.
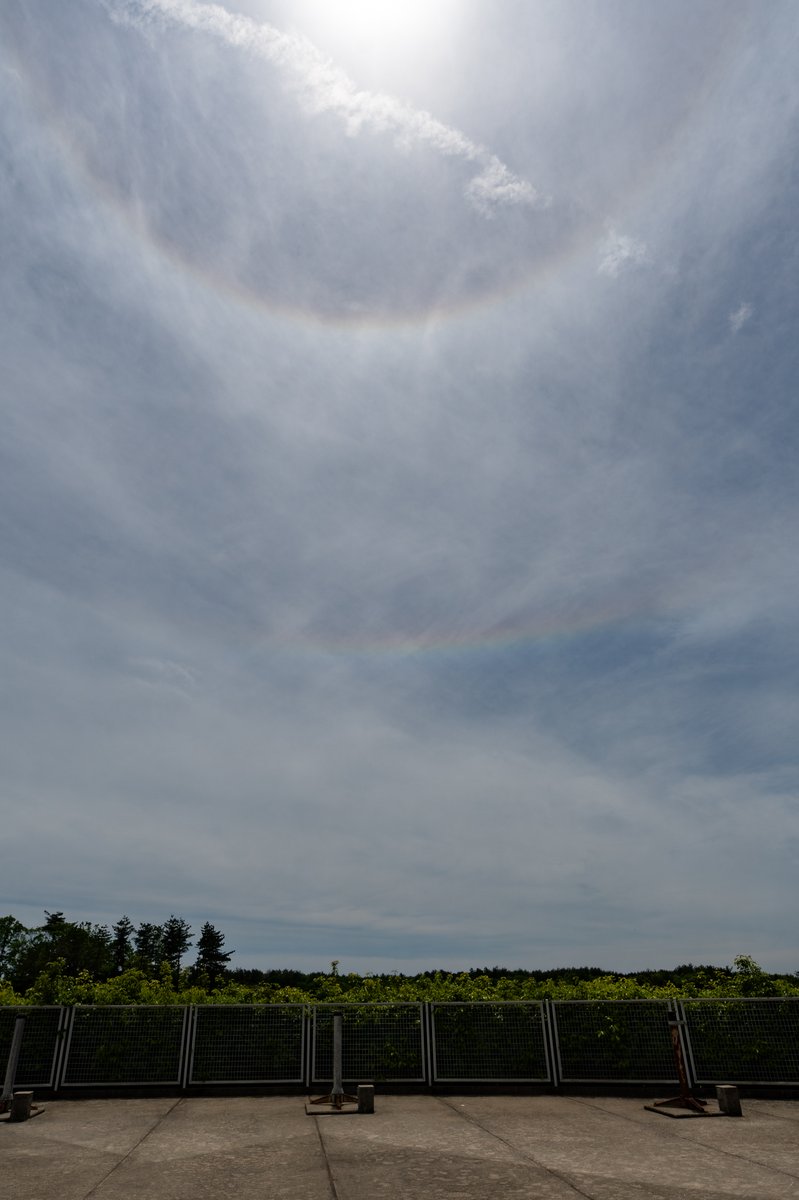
{"type": "Point", "coordinates": [614, 1040]}
{"type": "Point", "coordinates": [40, 1044]}
{"type": "Point", "coordinates": [743, 1041]}
{"type": "Point", "coordinates": [499, 1042]}
{"type": "Point", "coordinates": [125, 1045]}
{"type": "Point", "coordinates": [259, 1043]}
{"type": "Point", "coordinates": [379, 1042]}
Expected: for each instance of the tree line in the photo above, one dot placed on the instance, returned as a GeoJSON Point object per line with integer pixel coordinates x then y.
{"type": "Point", "coordinates": [66, 962]}
{"type": "Point", "coordinates": [103, 951]}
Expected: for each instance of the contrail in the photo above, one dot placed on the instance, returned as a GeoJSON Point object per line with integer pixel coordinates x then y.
{"type": "Point", "coordinates": [322, 87]}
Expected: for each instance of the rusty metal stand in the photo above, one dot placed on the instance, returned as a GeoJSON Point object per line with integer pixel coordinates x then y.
{"type": "Point", "coordinates": [335, 1100]}
{"type": "Point", "coordinates": [686, 1100]}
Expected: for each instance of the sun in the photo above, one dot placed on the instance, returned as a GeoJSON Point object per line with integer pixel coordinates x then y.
{"type": "Point", "coordinates": [378, 21]}
{"type": "Point", "coordinates": [374, 30]}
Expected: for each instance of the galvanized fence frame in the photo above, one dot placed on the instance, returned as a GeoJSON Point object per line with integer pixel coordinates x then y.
{"type": "Point", "coordinates": [47, 1074]}
{"type": "Point", "coordinates": [661, 1046]}
{"type": "Point", "coordinates": [418, 1025]}
{"type": "Point", "coordinates": [777, 1043]}
{"type": "Point", "coordinates": [442, 1062]}
{"type": "Point", "coordinates": [745, 1040]}
{"type": "Point", "coordinates": [271, 1041]}
{"type": "Point", "coordinates": [80, 1044]}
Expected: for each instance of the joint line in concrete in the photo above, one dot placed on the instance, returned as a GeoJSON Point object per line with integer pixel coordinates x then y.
{"type": "Point", "coordinates": [524, 1155]}
{"type": "Point", "coordinates": [668, 1130]}
{"type": "Point", "coordinates": [331, 1181]}
{"type": "Point", "coordinates": [125, 1157]}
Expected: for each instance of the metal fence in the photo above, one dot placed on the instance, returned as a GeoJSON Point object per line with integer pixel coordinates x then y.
{"type": "Point", "coordinates": [737, 1040]}
{"type": "Point", "coordinates": [613, 1041]}
{"type": "Point", "coordinates": [743, 1040]}
{"type": "Point", "coordinates": [248, 1043]}
{"type": "Point", "coordinates": [490, 1041]}
{"type": "Point", "coordinates": [380, 1042]}
{"type": "Point", "coordinates": [124, 1046]}
{"type": "Point", "coordinates": [41, 1043]}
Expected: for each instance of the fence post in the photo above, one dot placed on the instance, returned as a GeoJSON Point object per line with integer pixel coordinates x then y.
{"type": "Point", "coordinates": [685, 1041]}
{"type": "Point", "coordinates": [187, 1045]}
{"type": "Point", "coordinates": [552, 1041]}
{"type": "Point", "coordinates": [432, 1069]}
{"type": "Point", "coordinates": [64, 1035]}
{"type": "Point", "coordinates": [13, 1059]}
{"type": "Point", "coordinates": [309, 1036]}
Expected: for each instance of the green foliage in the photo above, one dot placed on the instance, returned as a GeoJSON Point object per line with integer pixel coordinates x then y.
{"type": "Point", "coordinates": [62, 962]}
{"type": "Point", "coordinates": [13, 937]}
{"type": "Point", "coordinates": [121, 947]}
{"type": "Point", "coordinates": [149, 946]}
{"type": "Point", "coordinates": [211, 957]}
{"type": "Point", "coordinates": [81, 947]}
{"type": "Point", "coordinates": [175, 942]}
{"type": "Point", "coordinates": [8, 996]}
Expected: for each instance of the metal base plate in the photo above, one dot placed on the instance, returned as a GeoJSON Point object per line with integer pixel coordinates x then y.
{"type": "Point", "coordinates": [680, 1113]}
{"type": "Point", "coordinates": [329, 1110]}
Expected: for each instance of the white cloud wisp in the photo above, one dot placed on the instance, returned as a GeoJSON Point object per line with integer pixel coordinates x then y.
{"type": "Point", "coordinates": [322, 87]}
{"type": "Point", "coordinates": [741, 315]}
{"type": "Point", "coordinates": [619, 252]}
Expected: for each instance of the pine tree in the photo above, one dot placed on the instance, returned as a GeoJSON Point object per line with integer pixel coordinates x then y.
{"type": "Point", "coordinates": [149, 943]}
{"type": "Point", "coordinates": [13, 939]}
{"type": "Point", "coordinates": [211, 958]}
{"type": "Point", "coordinates": [121, 946]}
{"type": "Point", "coordinates": [176, 941]}
{"type": "Point", "coordinates": [54, 924]}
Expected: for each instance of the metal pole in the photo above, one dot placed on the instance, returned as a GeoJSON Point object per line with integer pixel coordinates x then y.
{"type": "Point", "coordinates": [337, 1091]}
{"type": "Point", "coordinates": [337, 1097]}
{"type": "Point", "coordinates": [13, 1059]}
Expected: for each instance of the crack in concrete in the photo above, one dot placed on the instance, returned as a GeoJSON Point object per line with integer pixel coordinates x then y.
{"type": "Point", "coordinates": [520, 1154]}
{"type": "Point", "coordinates": [125, 1157]}
{"type": "Point", "coordinates": [331, 1181]}
{"type": "Point", "coordinates": [670, 1131]}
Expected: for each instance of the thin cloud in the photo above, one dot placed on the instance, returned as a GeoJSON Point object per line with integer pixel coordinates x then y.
{"type": "Point", "coordinates": [741, 315]}
{"type": "Point", "coordinates": [322, 87]}
{"type": "Point", "coordinates": [163, 673]}
{"type": "Point", "coordinates": [471, 613]}
{"type": "Point", "coordinates": [618, 252]}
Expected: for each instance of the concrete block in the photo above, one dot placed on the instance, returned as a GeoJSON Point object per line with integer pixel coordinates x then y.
{"type": "Point", "coordinates": [21, 1103]}
{"type": "Point", "coordinates": [729, 1100]}
{"type": "Point", "coordinates": [366, 1097]}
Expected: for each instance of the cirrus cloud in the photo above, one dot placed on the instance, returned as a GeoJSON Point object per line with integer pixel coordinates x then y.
{"type": "Point", "coordinates": [322, 87]}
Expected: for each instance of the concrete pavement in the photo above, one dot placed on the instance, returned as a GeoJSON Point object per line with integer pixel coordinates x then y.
{"type": "Point", "coordinates": [544, 1147]}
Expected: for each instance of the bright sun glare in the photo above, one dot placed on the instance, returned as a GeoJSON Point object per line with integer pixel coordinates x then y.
{"type": "Point", "coordinates": [380, 28]}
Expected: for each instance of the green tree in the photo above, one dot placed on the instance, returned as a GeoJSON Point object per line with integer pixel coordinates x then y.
{"type": "Point", "coordinates": [121, 946]}
{"type": "Point", "coordinates": [750, 979]}
{"type": "Point", "coordinates": [211, 958]}
{"type": "Point", "coordinates": [13, 939]}
{"type": "Point", "coordinates": [149, 943]}
{"type": "Point", "coordinates": [176, 939]}
{"type": "Point", "coordinates": [80, 946]}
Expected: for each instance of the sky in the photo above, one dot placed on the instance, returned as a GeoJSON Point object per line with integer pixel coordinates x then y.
{"type": "Point", "coordinates": [399, 504]}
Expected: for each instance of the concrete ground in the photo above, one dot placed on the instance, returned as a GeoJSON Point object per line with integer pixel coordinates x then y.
{"type": "Point", "coordinates": [542, 1147]}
